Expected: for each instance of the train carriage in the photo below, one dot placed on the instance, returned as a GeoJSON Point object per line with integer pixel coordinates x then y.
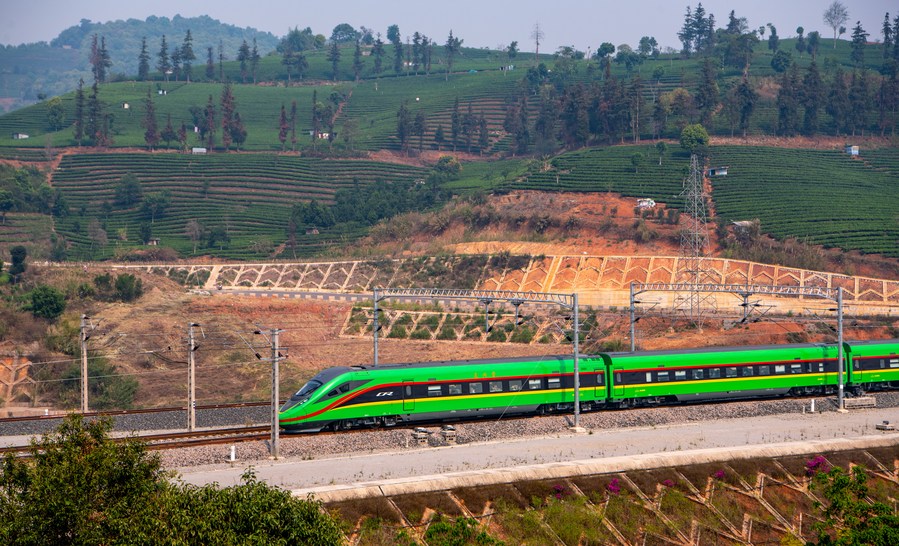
{"type": "Point", "coordinates": [664, 377]}
{"type": "Point", "coordinates": [348, 397]}
{"type": "Point", "coordinates": [875, 365]}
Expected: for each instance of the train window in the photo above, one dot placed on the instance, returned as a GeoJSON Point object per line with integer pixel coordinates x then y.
{"type": "Point", "coordinates": [649, 377]}
{"type": "Point", "coordinates": [714, 373]}
{"type": "Point", "coordinates": [332, 393]}
{"type": "Point", "coordinates": [515, 385]}
{"type": "Point", "coordinates": [408, 391]}
{"type": "Point", "coordinates": [534, 384]}
{"type": "Point", "coordinates": [496, 386]}
{"type": "Point", "coordinates": [730, 372]}
{"type": "Point", "coordinates": [455, 388]}
{"type": "Point", "coordinates": [475, 388]}
{"type": "Point", "coordinates": [662, 376]}
{"type": "Point", "coordinates": [747, 371]}
{"type": "Point", "coordinates": [780, 368]}
{"type": "Point", "coordinates": [680, 375]}
{"type": "Point", "coordinates": [894, 363]}
{"type": "Point", "coordinates": [764, 370]}
{"type": "Point", "coordinates": [856, 364]}
{"type": "Point", "coordinates": [817, 367]}
{"type": "Point", "coordinates": [556, 383]}
{"type": "Point", "coordinates": [795, 368]}
{"type": "Point", "coordinates": [698, 374]}
{"type": "Point", "coordinates": [434, 390]}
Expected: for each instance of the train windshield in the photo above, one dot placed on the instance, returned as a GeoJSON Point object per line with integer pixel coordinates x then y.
{"type": "Point", "coordinates": [308, 388]}
{"type": "Point", "coordinates": [303, 394]}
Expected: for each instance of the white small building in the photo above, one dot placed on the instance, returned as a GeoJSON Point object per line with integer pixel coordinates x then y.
{"type": "Point", "coordinates": [644, 204]}
{"type": "Point", "coordinates": [718, 171]}
{"type": "Point", "coordinates": [198, 151]}
{"type": "Point", "coordinates": [20, 136]}
{"type": "Point", "coordinates": [852, 150]}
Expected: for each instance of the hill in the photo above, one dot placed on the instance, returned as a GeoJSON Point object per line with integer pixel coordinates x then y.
{"type": "Point", "coordinates": [32, 72]}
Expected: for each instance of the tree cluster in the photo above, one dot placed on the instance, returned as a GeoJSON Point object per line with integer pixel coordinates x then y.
{"type": "Point", "coordinates": [81, 487]}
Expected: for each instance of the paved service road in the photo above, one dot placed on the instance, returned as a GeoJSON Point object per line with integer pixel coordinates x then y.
{"type": "Point", "coordinates": [594, 446]}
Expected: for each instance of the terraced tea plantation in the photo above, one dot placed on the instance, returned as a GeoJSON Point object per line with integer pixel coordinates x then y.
{"type": "Point", "coordinates": [610, 169]}
{"type": "Point", "coordinates": [249, 195]}
{"type": "Point", "coordinates": [825, 197]}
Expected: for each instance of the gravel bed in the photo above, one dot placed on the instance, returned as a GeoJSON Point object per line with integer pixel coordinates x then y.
{"type": "Point", "coordinates": [310, 446]}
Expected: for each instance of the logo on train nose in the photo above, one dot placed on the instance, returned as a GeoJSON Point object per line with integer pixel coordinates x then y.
{"type": "Point", "coordinates": [388, 393]}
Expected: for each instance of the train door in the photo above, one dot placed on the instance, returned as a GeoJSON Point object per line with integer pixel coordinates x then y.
{"type": "Point", "coordinates": [618, 386]}
{"type": "Point", "coordinates": [408, 399]}
{"type": "Point", "coordinates": [599, 391]}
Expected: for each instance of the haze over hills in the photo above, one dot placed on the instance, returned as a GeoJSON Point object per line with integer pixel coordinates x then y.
{"type": "Point", "coordinates": [30, 71]}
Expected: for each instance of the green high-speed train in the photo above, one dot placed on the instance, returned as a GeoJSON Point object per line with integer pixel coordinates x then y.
{"type": "Point", "coordinates": [427, 392]}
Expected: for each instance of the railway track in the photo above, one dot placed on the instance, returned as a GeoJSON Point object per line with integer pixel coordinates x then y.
{"type": "Point", "coordinates": [113, 413]}
{"type": "Point", "coordinates": [176, 440]}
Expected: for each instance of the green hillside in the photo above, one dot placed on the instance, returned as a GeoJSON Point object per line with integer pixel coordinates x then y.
{"type": "Point", "coordinates": [248, 196]}
{"type": "Point", "coordinates": [824, 197]}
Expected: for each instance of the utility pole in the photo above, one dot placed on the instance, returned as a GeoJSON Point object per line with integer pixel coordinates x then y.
{"type": "Point", "coordinates": [191, 379]}
{"type": "Point", "coordinates": [375, 327]}
{"type": "Point", "coordinates": [840, 355]}
{"type": "Point", "coordinates": [275, 394]}
{"type": "Point", "coordinates": [577, 374]}
{"type": "Point", "coordinates": [84, 337]}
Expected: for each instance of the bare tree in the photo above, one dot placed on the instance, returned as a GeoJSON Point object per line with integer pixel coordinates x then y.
{"type": "Point", "coordinates": [194, 232]}
{"type": "Point", "coordinates": [836, 16]}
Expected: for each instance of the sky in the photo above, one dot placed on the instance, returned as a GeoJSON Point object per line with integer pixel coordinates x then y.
{"type": "Point", "coordinates": [480, 23]}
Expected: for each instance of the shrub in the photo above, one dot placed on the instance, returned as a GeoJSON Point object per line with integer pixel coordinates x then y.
{"type": "Point", "coordinates": [47, 302]}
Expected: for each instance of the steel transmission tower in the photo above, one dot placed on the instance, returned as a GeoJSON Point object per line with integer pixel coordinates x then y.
{"type": "Point", "coordinates": [693, 266]}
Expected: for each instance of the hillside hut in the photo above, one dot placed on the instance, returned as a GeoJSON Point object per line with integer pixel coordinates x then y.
{"type": "Point", "coordinates": [718, 171]}
{"type": "Point", "coordinates": [20, 136]}
{"type": "Point", "coordinates": [852, 150]}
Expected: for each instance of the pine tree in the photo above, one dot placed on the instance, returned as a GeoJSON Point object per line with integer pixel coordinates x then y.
{"type": "Point", "coordinates": [788, 103]}
{"type": "Point", "coordinates": [812, 95]}
{"type": "Point", "coordinates": [293, 125]}
{"type": "Point", "coordinates": [93, 126]}
{"type": "Point", "coordinates": [143, 62]}
{"type": "Point", "coordinates": [254, 59]}
{"type": "Point", "coordinates": [357, 61]}
{"type": "Point", "coordinates": [452, 47]}
{"type": "Point", "coordinates": [209, 114]}
{"type": "Point", "coordinates": [182, 137]}
{"type": "Point", "coordinates": [887, 31]}
{"type": "Point", "coordinates": [95, 58]}
{"type": "Point", "coordinates": [210, 64]}
{"type": "Point", "coordinates": [78, 123]}
{"type": "Point", "coordinates": [151, 134]}
{"type": "Point", "coordinates": [455, 124]}
{"type": "Point", "coordinates": [283, 128]}
{"type": "Point", "coordinates": [243, 56]}
{"type": "Point", "coordinates": [187, 55]}
{"type": "Point", "coordinates": [403, 126]}
{"type": "Point", "coordinates": [168, 133]}
{"type": "Point", "coordinates": [859, 39]}
{"type": "Point", "coordinates": [176, 62]}
{"type": "Point", "coordinates": [163, 64]}
{"type": "Point", "coordinates": [228, 107]}
{"type": "Point", "coordinates": [859, 102]}
{"type": "Point", "coordinates": [838, 101]}
{"type": "Point", "coordinates": [238, 131]}
{"type": "Point", "coordinates": [334, 58]}
{"type": "Point", "coordinates": [707, 94]}
{"type": "Point", "coordinates": [105, 61]}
